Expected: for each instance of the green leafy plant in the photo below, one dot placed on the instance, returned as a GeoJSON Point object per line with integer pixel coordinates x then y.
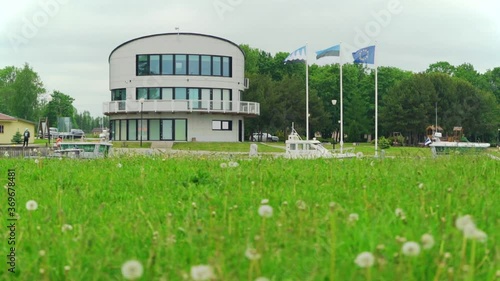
{"type": "Point", "coordinates": [17, 138]}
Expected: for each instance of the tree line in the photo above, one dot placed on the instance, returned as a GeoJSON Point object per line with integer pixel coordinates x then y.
{"type": "Point", "coordinates": [407, 101]}
{"type": "Point", "coordinates": [23, 95]}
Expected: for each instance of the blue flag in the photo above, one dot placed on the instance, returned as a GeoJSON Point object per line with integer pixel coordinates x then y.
{"type": "Point", "coordinates": [298, 55]}
{"type": "Point", "coordinates": [365, 55]}
{"type": "Point", "coordinates": [427, 141]}
{"type": "Point", "coordinates": [333, 51]}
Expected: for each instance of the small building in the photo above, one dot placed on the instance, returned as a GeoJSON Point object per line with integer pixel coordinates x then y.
{"type": "Point", "coordinates": [178, 87]}
{"type": "Point", "coordinates": [9, 125]}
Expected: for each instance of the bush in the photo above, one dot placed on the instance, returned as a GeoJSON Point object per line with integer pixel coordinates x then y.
{"type": "Point", "coordinates": [17, 138]}
{"type": "Point", "coordinates": [384, 143]}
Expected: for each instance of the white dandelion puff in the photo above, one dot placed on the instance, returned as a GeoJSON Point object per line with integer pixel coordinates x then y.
{"type": "Point", "coordinates": [420, 186]}
{"type": "Point", "coordinates": [31, 205]}
{"type": "Point", "coordinates": [353, 217]}
{"type": "Point", "coordinates": [132, 270]}
{"type": "Point", "coordinates": [266, 211]}
{"type": "Point", "coordinates": [34, 150]}
{"type": "Point", "coordinates": [6, 154]}
{"type": "Point", "coordinates": [264, 201]}
{"type": "Point", "coordinates": [67, 268]}
{"type": "Point", "coordinates": [223, 165]}
{"type": "Point", "coordinates": [365, 259]}
{"type": "Point", "coordinates": [427, 241]}
{"type": "Point", "coordinates": [470, 231]}
{"type": "Point", "coordinates": [66, 227]}
{"type": "Point", "coordinates": [399, 212]}
{"type": "Point", "coordinates": [36, 161]}
{"type": "Point", "coordinates": [119, 165]}
{"type": "Point", "coordinates": [233, 164]}
{"type": "Point", "coordinates": [462, 222]}
{"type": "Point", "coordinates": [252, 254]}
{"type": "Point", "coordinates": [6, 186]}
{"type": "Point", "coordinates": [202, 272]}
{"type": "Point", "coordinates": [411, 249]}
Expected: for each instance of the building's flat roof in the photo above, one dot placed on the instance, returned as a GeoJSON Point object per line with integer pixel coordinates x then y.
{"type": "Point", "coordinates": [175, 34]}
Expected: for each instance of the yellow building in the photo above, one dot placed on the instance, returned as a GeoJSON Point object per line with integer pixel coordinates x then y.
{"type": "Point", "coordinates": [10, 125]}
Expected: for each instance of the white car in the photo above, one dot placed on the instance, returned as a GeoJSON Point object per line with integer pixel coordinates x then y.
{"type": "Point", "coordinates": [263, 137]}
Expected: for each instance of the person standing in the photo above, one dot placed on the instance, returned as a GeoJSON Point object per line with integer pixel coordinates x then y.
{"type": "Point", "coordinates": [26, 137]}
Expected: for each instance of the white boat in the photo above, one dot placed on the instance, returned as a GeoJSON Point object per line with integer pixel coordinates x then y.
{"type": "Point", "coordinates": [297, 148]}
{"type": "Point", "coordinates": [86, 150]}
{"type": "Point", "coordinates": [439, 147]}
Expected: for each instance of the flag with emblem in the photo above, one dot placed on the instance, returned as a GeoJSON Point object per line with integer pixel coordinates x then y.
{"type": "Point", "coordinates": [365, 55]}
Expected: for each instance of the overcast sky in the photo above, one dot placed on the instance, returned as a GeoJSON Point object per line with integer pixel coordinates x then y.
{"type": "Point", "coordinates": [68, 42]}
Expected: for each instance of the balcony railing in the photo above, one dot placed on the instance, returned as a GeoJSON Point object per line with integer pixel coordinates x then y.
{"type": "Point", "coordinates": [206, 106]}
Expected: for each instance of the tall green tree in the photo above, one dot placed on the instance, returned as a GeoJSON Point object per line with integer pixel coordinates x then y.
{"type": "Point", "coordinates": [20, 90]}
{"type": "Point", "coordinates": [61, 105]}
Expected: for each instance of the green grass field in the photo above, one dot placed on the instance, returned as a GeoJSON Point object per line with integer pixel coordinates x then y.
{"type": "Point", "coordinates": [173, 213]}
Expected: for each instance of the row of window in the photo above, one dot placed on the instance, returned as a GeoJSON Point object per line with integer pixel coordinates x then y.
{"type": "Point", "coordinates": [175, 94]}
{"type": "Point", "coordinates": [157, 129]}
{"type": "Point", "coordinates": [182, 64]}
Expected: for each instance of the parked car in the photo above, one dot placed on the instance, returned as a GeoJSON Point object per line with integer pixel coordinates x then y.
{"type": "Point", "coordinates": [263, 137]}
{"type": "Point", "coordinates": [53, 133]}
{"type": "Point", "coordinates": [77, 133]}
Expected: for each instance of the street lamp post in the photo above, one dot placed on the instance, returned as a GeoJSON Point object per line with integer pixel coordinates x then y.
{"type": "Point", "coordinates": [142, 129]}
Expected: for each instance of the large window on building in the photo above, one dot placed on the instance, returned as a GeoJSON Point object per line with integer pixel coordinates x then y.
{"type": "Point", "coordinates": [194, 64]}
{"type": "Point", "coordinates": [142, 65]}
{"type": "Point", "coordinates": [154, 65]}
{"type": "Point", "coordinates": [167, 64]}
{"type": "Point", "coordinates": [180, 64]}
{"type": "Point", "coordinates": [183, 64]}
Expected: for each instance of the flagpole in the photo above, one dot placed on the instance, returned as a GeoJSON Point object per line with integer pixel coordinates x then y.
{"type": "Point", "coordinates": [341, 104]}
{"type": "Point", "coordinates": [307, 97]}
{"type": "Point", "coordinates": [376, 105]}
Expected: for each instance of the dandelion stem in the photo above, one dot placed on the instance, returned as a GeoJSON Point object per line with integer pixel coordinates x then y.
{"type": "Point", "coordinates": [464, 248]}
{"type": "Point", "coordinates": [472, 262]}
{"type": "Point", "coordinates": [332, 246]}
{"type": "Point", "coordinates": [369, 273]}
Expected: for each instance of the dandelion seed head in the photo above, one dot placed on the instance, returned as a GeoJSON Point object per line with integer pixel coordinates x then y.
{"type": "Point", "coordinates": [427, 241]}
{"type": "Point", "coordinates": [365, 259]}
{"type": "Point", "coordinates": [420, 186]}
{"type": "Point", "coordinates": [252, 254]}
{"type": "Point", "coordinates": [265, 211]}
{"type": "Point", "coordinates": [223, 165]}
{"type": "Point", "coordinates": [36, 161]}
{"type": "Point", "coordinates": [264, 201]}
{"type": "Point", "coordinates": [462, 222]}
{"type": "Point", "coordinates": [353, 217]}
{"type": "Point", "coordinates": [132, 270]}
{"type": "Point", "coordinates": [66, 227]}
{"type": "Point", "coordinates": [411, 249]}
{"type": "Point", "coordinates": [31, 205]}
{"type": "Point", "coordinates": [202, 272]}
{"type": "Point", "coordinates": [6, 186]}
{"type": "Point", "coordinates": [67, 268]}
{"type": "Point", "coordinates": [119, 165]}
{"type": "Point", "coordinates": [399, 212]}
{"type": "Point", "coordinates": [233, 164]}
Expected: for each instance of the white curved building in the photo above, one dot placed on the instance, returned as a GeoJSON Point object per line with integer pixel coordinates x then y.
{"type": "Point", "coordinates": [178, 87]}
